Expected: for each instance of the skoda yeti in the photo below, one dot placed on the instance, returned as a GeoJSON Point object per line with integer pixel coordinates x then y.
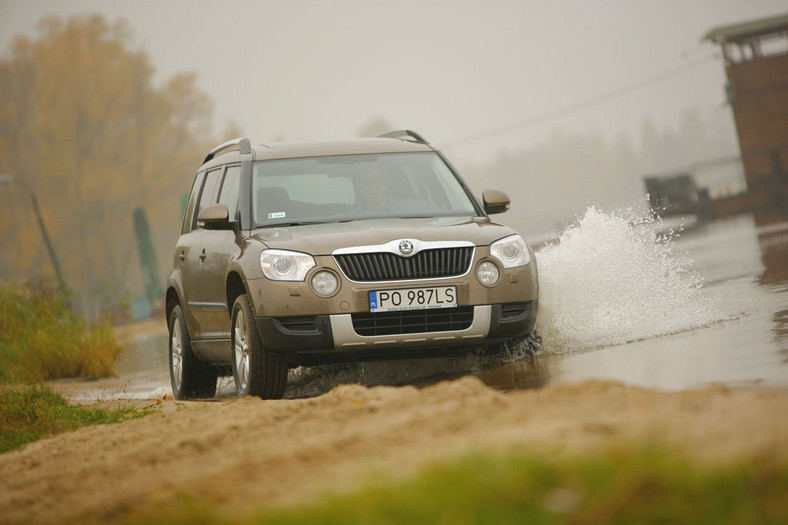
{"type": "Point", "coordinates": [297, 254]}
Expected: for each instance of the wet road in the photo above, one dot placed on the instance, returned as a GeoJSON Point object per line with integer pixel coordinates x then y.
{"type": "Point", "coordinates": [709, 305]}
{"type": "Point", "coordinates": [744, 270]}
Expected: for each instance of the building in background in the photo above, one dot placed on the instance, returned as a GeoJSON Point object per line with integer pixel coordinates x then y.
{"type": "Point", "coordinates": [756, 65]}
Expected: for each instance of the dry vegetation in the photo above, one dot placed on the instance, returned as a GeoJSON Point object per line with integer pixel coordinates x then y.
{"type": "Point", "coordinates": [42, 338]}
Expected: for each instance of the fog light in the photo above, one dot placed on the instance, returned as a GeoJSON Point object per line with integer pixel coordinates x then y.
{"type": "Point", "coordinates": [324, 283]}
{"type": "Point", "coordinates": [488, 273]}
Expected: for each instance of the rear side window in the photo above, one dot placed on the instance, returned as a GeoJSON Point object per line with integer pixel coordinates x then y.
{"type": "Point", "coordinates": [229, 192]}
{"type": "Point", "coordinates": [188, 216]}
{"type": "Point", "coordinates": [209, 188]}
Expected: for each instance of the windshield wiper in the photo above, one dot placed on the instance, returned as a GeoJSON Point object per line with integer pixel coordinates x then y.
{"type": "Point", "coordinates": [387, 217]}
{"type": "Point", "coordinates": [294, 223]}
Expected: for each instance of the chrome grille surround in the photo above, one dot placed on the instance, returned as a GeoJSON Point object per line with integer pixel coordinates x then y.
{"type": "Point", "coordinates": [386, 263]}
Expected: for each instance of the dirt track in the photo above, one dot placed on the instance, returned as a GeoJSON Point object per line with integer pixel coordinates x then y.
{"type": "Point", "coordinates": [278, 452]}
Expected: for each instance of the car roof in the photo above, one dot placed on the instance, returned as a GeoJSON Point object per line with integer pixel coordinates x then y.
{"type": "Point", "coordinates": [239, 149]}
{"type": "Point", "coordinates": [285, 150]}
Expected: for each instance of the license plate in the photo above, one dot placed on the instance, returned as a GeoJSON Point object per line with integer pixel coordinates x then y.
{"type": "Point", "coordinates": [413, 299]}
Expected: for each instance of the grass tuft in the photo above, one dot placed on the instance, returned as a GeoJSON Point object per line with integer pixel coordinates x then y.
{"type": "Point", "coordinates": [29, 413]}
{"type": "Point", "coordinates": [632, 486]}
{"type": "Point", "coordinates": [641, 485]}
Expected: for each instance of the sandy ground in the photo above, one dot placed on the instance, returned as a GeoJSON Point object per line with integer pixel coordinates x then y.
{"type": "Point", "coordinates": [244, 452]}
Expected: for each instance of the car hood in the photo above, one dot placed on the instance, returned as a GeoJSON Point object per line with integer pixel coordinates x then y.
{"type": "Point", "coordinates": [323, 239]}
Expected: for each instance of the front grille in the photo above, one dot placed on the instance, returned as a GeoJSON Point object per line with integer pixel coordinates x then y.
{"type": "Point", "coordinates": [413, 321]}
{"type": "Point", "coordinates": [385, 266]}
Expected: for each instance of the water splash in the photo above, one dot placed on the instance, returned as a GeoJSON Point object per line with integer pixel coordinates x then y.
{"type": "Point", "coordinates": [614, 278]}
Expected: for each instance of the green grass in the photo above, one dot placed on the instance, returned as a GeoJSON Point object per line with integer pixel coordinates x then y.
{"type": "Point", "coordinates": [29, 413]}
{"type": "Point", "coordinates": [41, 338]}
{"type": "Point", "coordinates": [622, 486]}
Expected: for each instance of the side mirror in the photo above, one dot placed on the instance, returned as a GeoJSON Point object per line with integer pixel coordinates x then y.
{"type": "Point", "coordinates": [214, 217]}
{"type": "Point", "coordinates": [495, 201]}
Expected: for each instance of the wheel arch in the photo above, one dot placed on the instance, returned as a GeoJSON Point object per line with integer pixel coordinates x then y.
{"type": "Point", "coordinates": [172, 299]}
{"type": "Point", "coordinates": [234, 287]}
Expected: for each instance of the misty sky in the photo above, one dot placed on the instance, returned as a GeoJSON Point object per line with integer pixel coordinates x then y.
{"type": "Point", "coordinates": [450, 69]}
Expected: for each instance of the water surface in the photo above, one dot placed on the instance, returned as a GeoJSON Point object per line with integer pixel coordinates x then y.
{"type": "Point", "coordinates": [724, 320]}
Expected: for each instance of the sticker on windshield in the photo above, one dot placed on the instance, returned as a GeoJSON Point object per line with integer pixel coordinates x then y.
{"type": "Point", "coordinates": [277, 215]}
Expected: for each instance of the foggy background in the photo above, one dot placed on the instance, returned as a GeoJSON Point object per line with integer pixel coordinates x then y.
{"type": "Point", "coordinates": [561, 104]}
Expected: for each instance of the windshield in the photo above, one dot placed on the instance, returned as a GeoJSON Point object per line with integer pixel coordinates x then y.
{"type": "Point", "coordinates": [354, 187]}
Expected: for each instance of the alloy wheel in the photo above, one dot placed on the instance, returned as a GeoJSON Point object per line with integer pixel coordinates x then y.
{"type": "Point", "coordinates": [241, 350]}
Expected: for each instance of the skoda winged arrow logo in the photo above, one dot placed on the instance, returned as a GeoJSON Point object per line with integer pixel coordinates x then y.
{"type": "Point", "coordinates": [405, 247]}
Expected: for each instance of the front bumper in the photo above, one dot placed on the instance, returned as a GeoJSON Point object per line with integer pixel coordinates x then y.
{"type": "Point", "coordinates": [310, 340]}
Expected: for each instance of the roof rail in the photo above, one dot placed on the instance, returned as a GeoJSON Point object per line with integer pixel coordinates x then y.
{"type": "Point", "coordinates": [242, 144]}
{"type": "Point", "coordinates": [402, 133]}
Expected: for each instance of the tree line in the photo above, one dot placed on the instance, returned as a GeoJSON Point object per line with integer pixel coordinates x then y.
{"type": "Point", "coordinates": [85, 130]}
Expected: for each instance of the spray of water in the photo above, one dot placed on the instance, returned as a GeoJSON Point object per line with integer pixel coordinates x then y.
{"type": "Point", "coordinates": [613, 278]}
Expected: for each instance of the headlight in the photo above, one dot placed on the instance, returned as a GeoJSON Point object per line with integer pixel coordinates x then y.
{"type": "Point", "coordinates": [324, 283]}
{"type": "Point", "coordinates": [488, 273]}
{"type": "Point", "coordinates": [281, 265]}
{"type": "Point", "coordinates": [511, 251]}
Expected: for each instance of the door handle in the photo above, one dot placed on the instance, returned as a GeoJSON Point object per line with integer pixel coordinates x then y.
{"type": "Point", "coordinates": [181, 256]}
{"type": "Point", "coordinates": [202, 255]}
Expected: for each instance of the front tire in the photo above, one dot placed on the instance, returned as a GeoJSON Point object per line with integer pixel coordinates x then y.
{"type": "Point", "coordinates": [190, 377]}
{"type": "Point", "coordinates": [257, 371]}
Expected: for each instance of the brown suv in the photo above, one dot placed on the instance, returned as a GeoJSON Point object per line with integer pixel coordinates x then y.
{"type": "Point", "coordinates": [298, 254]}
